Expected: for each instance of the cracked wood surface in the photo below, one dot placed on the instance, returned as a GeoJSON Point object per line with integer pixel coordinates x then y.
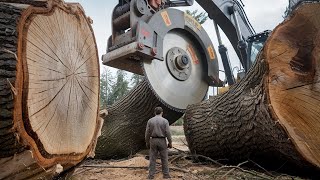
{"type": "Point", "coordinates": [49, 88]}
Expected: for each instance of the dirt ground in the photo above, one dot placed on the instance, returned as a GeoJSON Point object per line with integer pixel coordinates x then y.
{"type": "Point", "coordinates": [181, 167]}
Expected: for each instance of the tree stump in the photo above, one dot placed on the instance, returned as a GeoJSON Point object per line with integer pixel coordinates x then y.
{"type": "Point", "coordinates": [124, 127]}
{"type": "Point", "coordinates": [49, 88]}
{"type": "Point", "coordinates": [273, 115]}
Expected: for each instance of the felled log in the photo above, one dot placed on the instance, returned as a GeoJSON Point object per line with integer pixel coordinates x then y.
{"type": "Point", "coordinates": [273, 115]}
{"type": "Point", "coordinates": [49, 88]}
{"type": "Point", "coordinates": [124, 127]}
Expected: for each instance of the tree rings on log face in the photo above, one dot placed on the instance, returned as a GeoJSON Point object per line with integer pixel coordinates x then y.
{"type": "Point", "coordinates": [61, 88]}
{"type": "Point", "coordinates": [293, 55]}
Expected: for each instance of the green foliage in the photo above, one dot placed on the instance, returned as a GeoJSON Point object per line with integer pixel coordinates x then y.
{"type": "Point", "coordinates": [106, 84]}
{"type": "Point", "coordinates": [179, 122]}
{"type": "Point", "coordinates": [112, 88]}
{"type": "Point", "coordinates": [175, 132]}
{"type": "Point", "coordinates": [136, 79]}
{"type": "Point", "coordinates": [200, 17]}
{"type": "Point", "coordinates": [120, 87]}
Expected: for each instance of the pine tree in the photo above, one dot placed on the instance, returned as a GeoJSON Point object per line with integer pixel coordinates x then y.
{"type": "Point", "coordinates": [120, 88]}
{"type": "Point", "coordinates": [106, 84]}
{"type": "Point", "coordinates": [136, 79]}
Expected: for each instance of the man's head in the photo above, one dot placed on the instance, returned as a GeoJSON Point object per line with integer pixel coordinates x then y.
{"type": "Point", "coordinates": [158, 111]}
{"type": "Point", "coordinates": [155, 3]}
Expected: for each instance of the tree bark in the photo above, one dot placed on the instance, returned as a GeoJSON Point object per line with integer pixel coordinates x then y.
{"type": "Point", "coordinates": [124, 127]}
{"type": "Point", "coordinates": [273, 115]}
{"type": "Point", "coordinates": [49, 88]}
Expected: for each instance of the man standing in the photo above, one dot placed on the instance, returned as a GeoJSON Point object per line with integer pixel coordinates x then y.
{"type": "Point", "coordinates": [156, 133]}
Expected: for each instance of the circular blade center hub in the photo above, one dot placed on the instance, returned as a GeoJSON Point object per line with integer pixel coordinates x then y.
{"type": "Point", "coordinates": [178, 63]}
{"type": "Point", "coordinates": [185, 60]}
{"type": "Point", "coordinates": [182, 61]}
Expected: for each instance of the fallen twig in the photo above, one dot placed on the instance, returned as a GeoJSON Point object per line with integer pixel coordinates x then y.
{"type": "Point", "coordinates": [243, 170]}
{"type": "Point", "coordinates": [233, 169]}
{"type": "Point", "coordinates": [175, 158]}
{"type": "Point", "coordinates": [207, 158]}
{"type": "Point", "coordinates": [267, 172]}
{"type": "Point", "coordinates": [185, 143]}
{"type": "Point", "coordinates": [12, 88]}
{"type": "Point", "coordinates": [181, 151]}
{"type": "Point", "coordinates": [10, 52]}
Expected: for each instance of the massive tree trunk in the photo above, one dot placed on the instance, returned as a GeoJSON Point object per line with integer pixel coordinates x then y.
{"type": "Point", "coordinates": [49, 88]}
{"type": "Point", "coordinates": [124, 126]}
{"type": "Point", "coordinates": [273, 115]}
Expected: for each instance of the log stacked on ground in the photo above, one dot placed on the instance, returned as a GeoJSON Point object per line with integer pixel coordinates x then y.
{"type": "Point", "coordinates": [49, 88]}
{"type": "Point", "coordinates": [124, 126]}
{"type": "Point", "coordinates": [273, 115]}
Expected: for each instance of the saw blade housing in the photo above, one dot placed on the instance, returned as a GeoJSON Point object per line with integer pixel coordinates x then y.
{"type": "Point", "coordinates": [168, 47]}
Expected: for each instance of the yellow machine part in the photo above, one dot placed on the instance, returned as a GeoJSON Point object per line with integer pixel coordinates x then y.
{"type": "Point", "coordinates": [222, 90]}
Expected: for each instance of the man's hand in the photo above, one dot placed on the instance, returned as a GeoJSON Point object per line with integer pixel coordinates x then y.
{"type": "Point", "coordinates": [169, 145]}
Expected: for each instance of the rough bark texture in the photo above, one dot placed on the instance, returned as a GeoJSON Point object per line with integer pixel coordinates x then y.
{"type": "Point", "coordinates": [49, 83]}
{"type": "Point", "coordinates": [124, 126]}
{"type": "Point", "coordinates": [10, 17]}
{"type": "Point", "coordinates": [260, 118]}
{"type": "Point", "coordinates": [37, 3]}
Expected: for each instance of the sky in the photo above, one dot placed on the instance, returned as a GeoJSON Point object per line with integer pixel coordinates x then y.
{"type": "Point", "coordinates": [263, 15]}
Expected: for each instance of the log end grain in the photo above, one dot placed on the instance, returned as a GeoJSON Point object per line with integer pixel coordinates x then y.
{"type": "Point", "coordinates": [293, 56]}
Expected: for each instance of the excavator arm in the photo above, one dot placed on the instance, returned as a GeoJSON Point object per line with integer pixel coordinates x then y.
{"type": "Point", "coordinates": [230, 16]}
{"type": "Point", "coordinates": [222, 12]}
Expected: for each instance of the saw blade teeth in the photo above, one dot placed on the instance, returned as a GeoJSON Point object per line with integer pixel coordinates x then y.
{"type": "Point", "coordinates": [156, 95]}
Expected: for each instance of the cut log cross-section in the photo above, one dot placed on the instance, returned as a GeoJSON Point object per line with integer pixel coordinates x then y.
{"type": "Point", "coordinates": [50, 80]}
{"type": "Point", "coordinates": [62, 82]}
{"type": "Point", "coordinates": [273, 115]}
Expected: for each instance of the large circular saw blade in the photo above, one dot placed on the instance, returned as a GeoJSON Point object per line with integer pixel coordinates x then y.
{"type": "Point", "coordinates": [178, 94]}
